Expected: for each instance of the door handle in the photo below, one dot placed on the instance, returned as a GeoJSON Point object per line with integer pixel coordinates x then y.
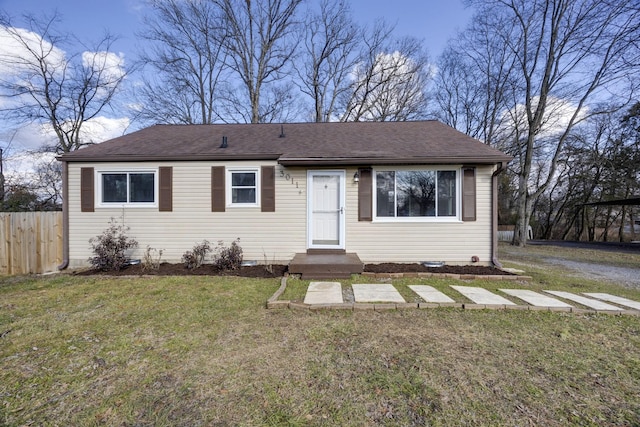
{"type": "Point", "coordinates": [341, 209]}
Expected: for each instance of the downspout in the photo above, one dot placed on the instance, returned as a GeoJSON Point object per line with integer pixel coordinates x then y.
{"type": "Point", "coordinates": [494, 215]}
{"type": "Point", "coordinates": [65, 216]}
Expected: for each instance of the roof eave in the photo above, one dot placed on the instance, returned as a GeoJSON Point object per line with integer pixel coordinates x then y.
{"type": "Point", "coordinates": [290, 161]}
{"type": "Point", "coordinates": [166, 158]}
{"type": "Point", "coordinates": [362, 161]}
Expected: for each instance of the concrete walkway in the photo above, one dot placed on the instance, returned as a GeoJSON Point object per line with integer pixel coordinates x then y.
{"type": "Point", "coordinates": [430, 294]}
{"type": "Point", "coordinates": [376, 292]}
{"type": "Point", "coordinates": [482, 296]}
{"type": "Point", "coordinates": [327, 293]}
{"type": "Point", "coordinates": [324, 293]}
{"type": "Point", "coordinates": [616, 300]}
{"type": "Point", "coordinates": [587, 302]}
{"type": "Point", "coordinates": [535, 298]}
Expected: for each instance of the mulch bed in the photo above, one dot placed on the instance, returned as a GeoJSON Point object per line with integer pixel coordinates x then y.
{"type": "Point", "coordinates": [260, 271]}
{"type": "Point", "coordinates": [477, 270]}
{"type": "Point", "coordinates": [167, 269]}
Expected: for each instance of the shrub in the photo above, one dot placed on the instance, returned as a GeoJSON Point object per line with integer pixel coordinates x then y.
{"type": "Point", "coordinates": [228, 258]}
{"type": "Point", "coordinates": [195, 257]}
{"type": "Point", "coordinates": [151, 259]}
{"type": "Point", "coordinates": [110, 247]}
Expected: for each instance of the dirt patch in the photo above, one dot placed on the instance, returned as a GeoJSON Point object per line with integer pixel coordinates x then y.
{"type": "Point", "coordinates": [260, 271]}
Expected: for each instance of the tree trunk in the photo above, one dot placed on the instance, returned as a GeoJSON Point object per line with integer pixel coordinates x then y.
{"type": "Point", "coordinates": [525, 205]}
{"type": "Point", "coordinates": [623, 216]}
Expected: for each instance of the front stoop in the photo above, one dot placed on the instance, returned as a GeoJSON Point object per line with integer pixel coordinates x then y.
{"type": "Point", "coordinates": [326, 265]}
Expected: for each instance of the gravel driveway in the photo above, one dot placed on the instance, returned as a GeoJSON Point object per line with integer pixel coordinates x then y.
{"type": "Point", "coordinates": [627, 277]}
{"type": "Point", "coordinates": [624, 276]}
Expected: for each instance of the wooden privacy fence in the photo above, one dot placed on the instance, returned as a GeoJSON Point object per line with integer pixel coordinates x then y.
{"type": "Point", "coordinates": [30, 242]}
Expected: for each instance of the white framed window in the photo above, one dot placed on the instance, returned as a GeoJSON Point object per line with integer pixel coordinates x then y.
{"type": "Point", "coordinates": [243, 186]}
{"type": "Point", "coordinates": [133, 188]}
{"type": "Point", "coordinates": [404, 194]}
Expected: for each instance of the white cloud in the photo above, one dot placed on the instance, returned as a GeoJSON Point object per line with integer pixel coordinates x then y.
{"type": "Point", "coordinates": [21, 167]}
{"type": "Point", "coordinates": [19, 53]}
{"type": "Point", "coordinates": [34, 136]}
{"type": "Point", "coordinates": [16, 52]}
{"type": "Point", "coordinates": [392, 85]}
{"type": "Point", "coordinates": [31, 136]}
{"type": "Point", "coordinates": [136, 6]}
{"type": "Point", "coordinates": [22, 157]}
{"type": "Point", "coordinates": [110, 64]}
{"type": "Point", "coordinates": [557, 117]}
{"type": "Point", "coordinates": [20, 50]}
{"type": "Point", "coordinates": [103, 128]}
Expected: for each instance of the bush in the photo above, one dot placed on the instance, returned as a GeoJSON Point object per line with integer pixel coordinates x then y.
{"type": "Point", "coordinates": [228, 258]}
{"type": "Point", "coordinates": [151, 259]}
{"type": "Point", "coordinates": [110, 247]}
{"type": "Point", "coordinates": [195, 257]}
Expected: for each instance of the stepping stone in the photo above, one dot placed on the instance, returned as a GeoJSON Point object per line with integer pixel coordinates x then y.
{"type": "Point", "coordinates": [378, 292]}
{"type": "Point", "coordinates": [482, 296]}
{"type": "Point", "coordinates": [534, 298]}
{"type": "Point", "coordinates": [587, 302]}
{"type": "Point", "coordinates": [324, 293]}
{"type": "Point", "coordinates": [430, 294]}
{"type": "Point", "coordinates": [616, 300]}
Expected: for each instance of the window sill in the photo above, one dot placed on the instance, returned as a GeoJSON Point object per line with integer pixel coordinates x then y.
{"type": "Point", "coordinates": [417, 220]}
{"type": "Point", "coordinates": [127, 206]}
{"type": "Point", "coordinates": [245, 205]}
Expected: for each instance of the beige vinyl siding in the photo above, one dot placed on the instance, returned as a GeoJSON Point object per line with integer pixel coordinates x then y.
{"type": "Point", "coordinates": [275, 235]}
{"type": "Point", "coordinates": [452, 242]}
{"type": "Point", "coordinates": [278, 235]}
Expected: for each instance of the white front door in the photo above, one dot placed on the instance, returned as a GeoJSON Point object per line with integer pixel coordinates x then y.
{"type": "Point", "coordinates": [325, 204]}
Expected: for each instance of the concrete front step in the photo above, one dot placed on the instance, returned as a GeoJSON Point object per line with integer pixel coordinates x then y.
{"type": "Point", "coordinates": [326, 266]}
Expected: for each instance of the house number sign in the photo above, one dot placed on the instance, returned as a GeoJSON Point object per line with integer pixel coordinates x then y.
{"type": "Point", "coordinates": [287, 177]}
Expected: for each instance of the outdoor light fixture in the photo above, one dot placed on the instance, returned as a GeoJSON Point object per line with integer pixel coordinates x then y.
{"type": "Point", "coordinates": [356, 177]}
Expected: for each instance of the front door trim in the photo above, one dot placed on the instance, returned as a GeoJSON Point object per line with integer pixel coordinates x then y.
{"type": "Point", "coordinates": [341, 174]}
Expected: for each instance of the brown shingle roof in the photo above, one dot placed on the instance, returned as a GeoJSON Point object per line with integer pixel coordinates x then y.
{"type": "Point", "coordinates": [354, 143]}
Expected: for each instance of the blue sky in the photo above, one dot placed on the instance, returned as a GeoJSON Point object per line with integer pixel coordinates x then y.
{"type": "Point", "coordinates": [432, 20]}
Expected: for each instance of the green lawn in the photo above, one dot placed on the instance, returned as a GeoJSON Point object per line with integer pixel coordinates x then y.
{"type": "Point", "coordinates": [204, 351]}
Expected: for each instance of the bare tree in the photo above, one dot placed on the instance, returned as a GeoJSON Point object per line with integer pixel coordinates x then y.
{"type": "Point", "coordinates": [47, 181]}
{"type": "Point", "coordinates": [187, 59]}
{"type": "Point", "coordinates": [388, 83]}
{"type": "Point", "coordinates": [2, 192]}
{"type": "Point", "coordinates": [43, 83]}
{"type": "Point", "coordinates": [474, 79]}
{"type": "Point", "coordinates": [562, 59]}
{"type": "Point", "coordinates": [457, 93]}
{"type": "Point", "coordinates": [36, 187]}
{"type": "Point", "coordinates": [329, 56]}
{"type": "Point", "coordinates": [260, 44]}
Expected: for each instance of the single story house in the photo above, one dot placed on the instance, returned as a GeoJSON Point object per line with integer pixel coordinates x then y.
{"type": "Point", "coordinates": [386, 191]}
